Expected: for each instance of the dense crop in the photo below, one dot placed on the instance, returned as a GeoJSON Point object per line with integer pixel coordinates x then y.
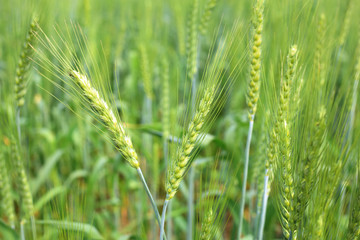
{"type": "Point", "coordinates": [193, 119]}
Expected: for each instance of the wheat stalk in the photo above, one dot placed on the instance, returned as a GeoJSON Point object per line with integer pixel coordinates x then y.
{"type": "Point", "coordinates": [253, 94]}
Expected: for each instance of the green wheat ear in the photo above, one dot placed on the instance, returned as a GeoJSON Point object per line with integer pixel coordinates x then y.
{"type": "Point", "coordinates": [122, 141]}
{"type": "Point", "coordinates": [185, 152]}
{"type": "Point", "coordinates": [5, 193]}
{"type": "Point", "coordinates": [206, 225]}
{"type": "Point", "coordinates": [281, 141]}
{"type": "Point", "coordinates": [192, 41]}
{"type": "Point", "coordinates": [210, 101]}
{"type": "Point", "coordinates": [308, 169]}
{"type": "Point", "coordinates": [282, 114]}
{"type": "Point", "coordinates": [255, 83]}
{"type": "Point", "coordinates": [287, 183]}
{"type": "Point", "coordinates": [24, 64]}
{"type": "Point", "coordinates": [205, 18]}
{"type": "Point", "coordinates": [146, 71]}
{"type": "Point", "coordinates": [22, 181]}
{"type": "Point", "coordinates": [346, 23]}
{"type": "Point", "coordinates": [215, 188]}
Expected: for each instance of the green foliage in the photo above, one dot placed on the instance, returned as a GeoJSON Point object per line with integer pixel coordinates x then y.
{"type": "Point", "coordinates": [90, 75]}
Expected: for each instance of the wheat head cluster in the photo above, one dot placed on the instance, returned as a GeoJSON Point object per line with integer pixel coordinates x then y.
{"type": "Point", "coordinates": [193, 119]}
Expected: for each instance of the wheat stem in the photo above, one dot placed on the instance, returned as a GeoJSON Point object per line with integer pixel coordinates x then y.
{"type": "Point", "coordinates": [190, 216]}
{"type": "Point", "coordinates": [169, 223]}
{"type": "Point", "coordinates": [263, 206]}
{"type": "Point", "coordinates": [163, 214]}
{"type": "Point", "coordinates": [246, 167]}
{"type": "Point", "coordinates": [253, 94]}
{"type": "Point", "coordinates": [22, 230]}
{"type": "Point", "coordinates": [153, 204]}
{"type": "Point", "coordinates": [17, 122]}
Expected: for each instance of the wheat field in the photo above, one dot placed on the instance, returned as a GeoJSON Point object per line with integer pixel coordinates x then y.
{"type": "Point", "coordinates": [193, 119]}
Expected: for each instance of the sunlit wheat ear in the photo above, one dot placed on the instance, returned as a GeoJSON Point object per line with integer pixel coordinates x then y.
{"type": "Point", "coordinates": [121, 140]}
{"type": "Point", "coordinates": [5, 193]}
{"type": "Point", "coordinates": [185, 152]}
{"type": "Point", "coordinates": [24, 64]}
{"type": "Point", "coordinates": [22, 181]}
{"type": "Point", "coordinates": [205, 17]}
{"type": "Point", "coordinates": [255, 83]}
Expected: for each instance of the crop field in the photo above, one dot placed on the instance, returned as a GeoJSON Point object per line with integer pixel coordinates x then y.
{"type": "Point", "coordinates": [191, 119]}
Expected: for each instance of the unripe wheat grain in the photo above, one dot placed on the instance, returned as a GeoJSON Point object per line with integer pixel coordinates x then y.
{"type": "Point", "coordinates": [122, 141]}
{"type": "Point", "coordinates": [5, 193]}
{"type": "Point", "coordinates": [24, 63]}
{"type": "Point", "coordinates": [184, 152]}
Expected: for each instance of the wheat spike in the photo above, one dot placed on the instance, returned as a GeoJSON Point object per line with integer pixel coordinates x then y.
{"type": "Point", "coordinates": [122, 141]}
{"type": "Point", "coordinates": [207, 225]}
{"type": "Point", "coordinates": [205, 18]}
{"type": "Point", "coordinates": [184, 152]}
{"type": "Point", "coordinates": [255, 83]}
{"type": "Point", "coordinates": [23, 64]}
{"type": "Point", "coordinates": [22, 181]}
{"type": "Point", "coordinates": [5, 193]}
